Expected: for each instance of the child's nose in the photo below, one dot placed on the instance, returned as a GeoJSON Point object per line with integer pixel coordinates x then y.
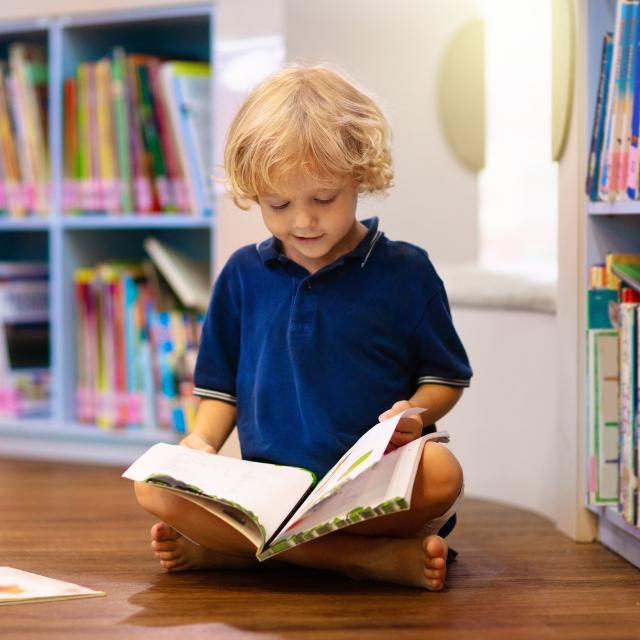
{"type": "Point", "coordinates": [304, 218]}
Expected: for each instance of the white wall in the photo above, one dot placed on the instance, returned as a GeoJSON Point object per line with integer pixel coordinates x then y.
{"type": "Point", "coordinates": [394, 51]}
{"type": "Point", "coordinates": [504, 429]}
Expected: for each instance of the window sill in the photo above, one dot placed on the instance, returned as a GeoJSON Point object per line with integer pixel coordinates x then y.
{"type": "Point", "coordinates": [473, 285]}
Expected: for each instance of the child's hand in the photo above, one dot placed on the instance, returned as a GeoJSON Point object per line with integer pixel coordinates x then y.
{"type": "Point", "coordinates": [194, 441]}
{"type": "Point", "coordinates": [407, 430]}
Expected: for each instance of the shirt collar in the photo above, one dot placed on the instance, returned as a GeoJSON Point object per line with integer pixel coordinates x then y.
{"type": "Point", "coordinates": [271, 249]}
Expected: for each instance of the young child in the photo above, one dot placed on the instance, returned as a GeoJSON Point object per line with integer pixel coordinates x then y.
{"type": "Point", "coordinates": [319, 332]}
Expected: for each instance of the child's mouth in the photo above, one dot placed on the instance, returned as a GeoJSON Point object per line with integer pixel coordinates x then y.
{"type": "Point", "coordinates": [308, 239]}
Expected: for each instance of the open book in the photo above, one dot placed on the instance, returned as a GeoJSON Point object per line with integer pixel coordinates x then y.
{"type": "Point", "coordinates": [278, 507]}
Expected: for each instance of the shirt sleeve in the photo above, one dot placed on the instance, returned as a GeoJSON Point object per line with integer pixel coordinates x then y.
{"type": "Point", "coordinates": [440, 355]}
{"type": "Point", "coordinates": [217, 361]}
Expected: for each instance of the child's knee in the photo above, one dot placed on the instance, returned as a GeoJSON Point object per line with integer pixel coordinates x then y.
{"type": "Point", "coordinates": [148, 498]}
{"type": "Point", "coordinates": [442, 473]}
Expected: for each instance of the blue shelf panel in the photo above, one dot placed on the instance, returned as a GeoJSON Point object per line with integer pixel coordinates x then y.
{"type": "Point", "coordinates": [630, 208]}
{"type": "Point", "coordinates": [24, 224]}
{"type": "Point", "coordinates": [160, 221]}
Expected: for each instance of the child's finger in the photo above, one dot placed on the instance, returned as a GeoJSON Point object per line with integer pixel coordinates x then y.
{"type": "Point", "coordinates": [400, 438]}
{"type": "Point", "coordinates": [398, 407]}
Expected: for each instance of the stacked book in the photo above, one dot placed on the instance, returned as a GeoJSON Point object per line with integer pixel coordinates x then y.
{"type": "Point", "coordinates": [136, 349]}
{"type": "Point", "coordinates": [25, 377]}
{"type": "Point", "coordinates": [24, 154]}
{"type": "Point", "coordinates": [137, 136]}
{"type": "Point", "coordinates": [614, 383]}
{"type": "Point", "coordinates": [613, 171]}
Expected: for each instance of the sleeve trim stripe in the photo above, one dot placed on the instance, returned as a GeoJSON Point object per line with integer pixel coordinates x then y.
{"type": "Point", "coordinates": [215, 395]}
{"type": "Point", "coordinates": [450, 382]}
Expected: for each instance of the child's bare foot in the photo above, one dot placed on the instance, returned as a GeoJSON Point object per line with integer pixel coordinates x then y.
{"type": "Point", "coordinates": [435, 566]}
{"type": "Point", "coordinates": [413, 561]}
{"type": "Point", "coordinates": [177, 553]}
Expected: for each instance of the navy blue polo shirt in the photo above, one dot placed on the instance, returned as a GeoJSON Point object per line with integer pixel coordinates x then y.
{"type": "Point", "coordinates": [311, 360]}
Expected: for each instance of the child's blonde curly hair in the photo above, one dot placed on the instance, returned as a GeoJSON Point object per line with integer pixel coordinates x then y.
{"type": "Point", "coordinates": [309, 118]}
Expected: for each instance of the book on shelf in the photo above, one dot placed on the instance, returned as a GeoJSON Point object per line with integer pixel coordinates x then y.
{"type": "Point", "coordinates": [628, 411]}
{"type": "Point", "coordinates": [136, 350]}
{"type": "Point", "coordinates": [613, 383]}
{"type": "Point", "coordinates": [188, 278]}
{"type": "Point", "coordinates": [17, 587]}
{"type": "Point", "coordinates": [627, 273]}
{"type": "Point", "coordinates": [137, 136]}
{"type": "Point", "coordinates": [613, 165]}
{"type": "Point", "coordinates": [25, 377]}
{"type": "Point", "coordinates": [599, 119]}
{"type": "Point", "coordinates": [186, 87]}
{"type": "Point", "coordinates": [602, 443]}
{"type": "Point", "coordinates": [278, 507]}
{"type": "Point", "coordinates": [24, 154]}
{"type": "Point", "coordinates": [618, 259]}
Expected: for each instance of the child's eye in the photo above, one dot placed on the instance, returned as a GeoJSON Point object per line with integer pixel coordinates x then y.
{"type": "Point", "coordinates": [279, 207]}
{"type": "Point", "coordinates": [327, 201]}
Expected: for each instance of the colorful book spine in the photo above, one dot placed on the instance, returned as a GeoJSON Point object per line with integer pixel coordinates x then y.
{"type": "Point", "coordinates": [628, 387]}
{"type": "Point", "coordinates": [626, 106]}
{"type": "Point", "coordinates": [633, 169]}
{"type": "Point", "coordinates": [611, 117]}
{"type": "Point", "coordinates": [599, 118]}
{"type": "Point", "coordinates": [144, 198]}
{"type": "Point", "coordinates": [150, 137]}
{"type": "Point", "coordinates": [122, 127]}
{"type": "Point", "coordinates": [107, 178]}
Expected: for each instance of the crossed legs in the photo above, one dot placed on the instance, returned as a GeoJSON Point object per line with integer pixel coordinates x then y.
{"type": "Point", "coordinates": [388, 548]}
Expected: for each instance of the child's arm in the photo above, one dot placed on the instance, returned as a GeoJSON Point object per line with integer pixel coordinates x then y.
{"type": "Point", "coordinates": [437, 398]}
{"type": "Point", "coordinates": [214, 421]}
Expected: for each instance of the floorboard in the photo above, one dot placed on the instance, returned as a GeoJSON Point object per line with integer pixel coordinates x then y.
{"type": "Point", "coordinates": [516, 577]}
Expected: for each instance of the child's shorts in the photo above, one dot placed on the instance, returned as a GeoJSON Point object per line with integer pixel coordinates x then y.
{"type": "Point", "coordinates": [432, 527]}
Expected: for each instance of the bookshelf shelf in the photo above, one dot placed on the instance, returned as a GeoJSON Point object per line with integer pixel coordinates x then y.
{"type": "Point", "coordinates": [609, 228]}
{"type": "Point", "coordinates": [161, 221]}
{"type": "Point", "coordinates": [24, 224]}
{"type": "Point", "coordinates": [614, 208]}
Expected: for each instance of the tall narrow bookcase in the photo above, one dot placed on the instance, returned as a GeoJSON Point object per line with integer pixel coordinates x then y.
{"type": "Point", "coordinates": [609, 227]}
{"type": "Point", "coordinates": [67, 242]}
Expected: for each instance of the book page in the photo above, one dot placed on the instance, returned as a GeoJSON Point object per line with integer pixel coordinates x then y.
{"type": "Point", "coordinates": [266, 493]}
{"type": "Point", "coordinates": [384, 488]}
{"type": "Point", "coordinates": [364, 454]}
{"type": "Point", "coordinates": [21, 586]}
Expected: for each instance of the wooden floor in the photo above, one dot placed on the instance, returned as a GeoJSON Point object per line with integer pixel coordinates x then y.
{"type": "Point", "coordinates": [516, 577]}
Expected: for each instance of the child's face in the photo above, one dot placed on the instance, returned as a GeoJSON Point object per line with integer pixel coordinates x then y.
{"type": "Point", "coordinates": [315, 225]}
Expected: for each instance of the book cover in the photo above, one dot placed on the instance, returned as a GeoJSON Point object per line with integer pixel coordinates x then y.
{"type": "Point", "coordinates": [17, 586]}
{"type": "Point", "coordinates": [597, 134]}
{"type": "Point", "coordinates": [628, 273]}
{"type": "Point", "coordinates": [613, 281]}
{"type": "Point", "coordinates": [627, 408]}
{"type": "Point", "coordinates": [188, 278]}
{"type": "Point", "coordinates": [603, 439]}
{"type": "Point", "coordinates": [187, 89]}
{"type": "Point", "coordinates": [626, 106]}
{"type": "Point", "coordinates": [611, 119]}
